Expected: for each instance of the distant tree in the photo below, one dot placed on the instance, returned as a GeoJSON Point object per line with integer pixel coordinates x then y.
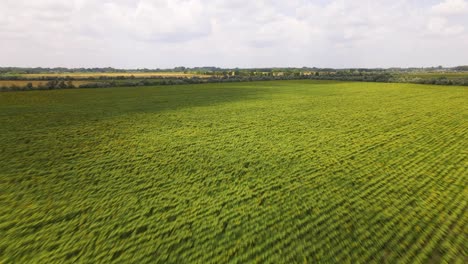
{"type": "Point", "coordinates": [461, 68]}
{"type": "Point", "coordinates": [70, 84]}
{"type": "Point", "coordinates": [51, 84]}
{"type": "Point", "coordinates": [61, 85]}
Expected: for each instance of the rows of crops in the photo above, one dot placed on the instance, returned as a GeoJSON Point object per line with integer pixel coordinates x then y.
{"type": "Point", "coordinates": [277, 172]}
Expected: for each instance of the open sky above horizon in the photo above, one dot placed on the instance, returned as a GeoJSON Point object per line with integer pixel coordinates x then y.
{"type": "Point", "coordinates": [233, 33]}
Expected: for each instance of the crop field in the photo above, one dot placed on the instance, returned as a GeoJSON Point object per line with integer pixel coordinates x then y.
{"type": "Point", "coordinates": [269, 172]}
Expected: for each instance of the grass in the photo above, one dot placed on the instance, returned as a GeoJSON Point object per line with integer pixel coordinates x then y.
{"type": "Point", "coordinates": [280, 172]}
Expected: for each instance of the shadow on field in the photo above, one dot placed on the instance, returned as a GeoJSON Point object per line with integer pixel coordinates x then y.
{"type": "Point", "coordinates": [71, 107]}
{"type": "Point", "coordinates": [176, 97]}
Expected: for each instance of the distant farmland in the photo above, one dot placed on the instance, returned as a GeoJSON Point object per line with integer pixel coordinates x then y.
{"type": "Point", "coordinates": [252, 172]}
{"type": "Point", "coordinates": [17, 79]}
{"type": "Point", "coordinates": [110, 74]}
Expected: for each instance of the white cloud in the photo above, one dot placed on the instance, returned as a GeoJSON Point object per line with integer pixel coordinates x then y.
{"type": "Point", "coordinates": [439, 26]}
{"type": "Point", "coordinates": [173, 20]}
{"type": "Point", "coordinates": [245, 33]}
{"type": "Point", "coordinates": [451, 7]}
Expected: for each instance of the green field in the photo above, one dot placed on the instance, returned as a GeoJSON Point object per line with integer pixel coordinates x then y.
{"type": "Point", "coordinates": [275, 172]}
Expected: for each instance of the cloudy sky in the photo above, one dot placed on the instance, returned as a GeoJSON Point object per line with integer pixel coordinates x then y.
{"type": "Point", "coordinates": [233, 33]}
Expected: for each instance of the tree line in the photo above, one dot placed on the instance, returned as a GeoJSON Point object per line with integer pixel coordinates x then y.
{"type": "Point", "coordinates": [131, 81]}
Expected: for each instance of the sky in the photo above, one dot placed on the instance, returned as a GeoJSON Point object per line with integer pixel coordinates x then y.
{"type": "Point", "coordinates": [233, 33]}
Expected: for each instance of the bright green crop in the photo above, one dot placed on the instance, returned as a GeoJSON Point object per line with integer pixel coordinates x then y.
{"type": "Point", "coordinates": [275, 172]}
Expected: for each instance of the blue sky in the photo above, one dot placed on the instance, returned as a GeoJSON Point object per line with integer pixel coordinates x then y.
{"type": "Point", "coordinates": [235, 33]}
